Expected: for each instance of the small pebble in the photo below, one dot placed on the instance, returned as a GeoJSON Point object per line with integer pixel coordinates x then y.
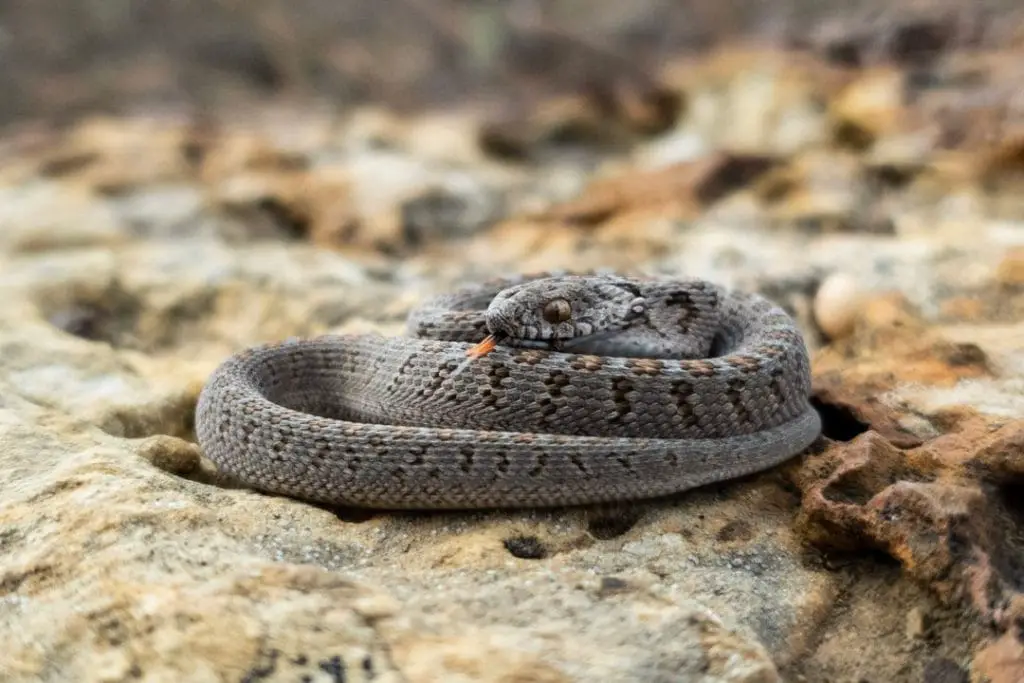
{"type": "Point", "coordinates": [837, 303]}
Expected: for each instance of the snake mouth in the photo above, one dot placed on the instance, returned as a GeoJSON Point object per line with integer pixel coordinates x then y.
{"type": "Point", "coordinates": [491, 342]}
{"type": "Point", "coordinates": [488, 344]}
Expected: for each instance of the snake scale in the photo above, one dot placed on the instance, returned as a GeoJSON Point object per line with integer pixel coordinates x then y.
{"type": "Point", "coordinates": [530, 391]}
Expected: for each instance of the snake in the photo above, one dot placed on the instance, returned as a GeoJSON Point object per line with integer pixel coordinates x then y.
{"type": "Point", "coordinates": [541, 390]}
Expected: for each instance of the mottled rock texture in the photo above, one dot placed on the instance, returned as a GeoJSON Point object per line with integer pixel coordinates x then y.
{"type": "Point", "coordinates": [137, 253]}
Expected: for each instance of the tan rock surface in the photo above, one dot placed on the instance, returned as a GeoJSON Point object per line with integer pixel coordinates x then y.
{"type": "Point", "coordinates": [134, 258]}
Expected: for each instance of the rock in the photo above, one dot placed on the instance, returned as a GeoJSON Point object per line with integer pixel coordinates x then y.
{"type": "Point", "coordinates": [1010, 271]}
{"type": "Point", "coordinates": [869, 108]}
{"type": "Point", "coordinates": [886, 552]}
{"type": "Point", "coordinates": [48, 215]}
{"type": "Point", "coordinates": [941, 515]}
{"type": "Point", "coordinates": [941, 670]}
{"type": "Point", "coordinates": [750, 100]}
{"type": "Point", "coordinates": [837, 304]}
{"type": "Point", "coordinates": [280, 571]}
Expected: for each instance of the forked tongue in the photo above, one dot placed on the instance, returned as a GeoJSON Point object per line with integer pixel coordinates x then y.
{"type": "Point", "coordinates": [483, 348]}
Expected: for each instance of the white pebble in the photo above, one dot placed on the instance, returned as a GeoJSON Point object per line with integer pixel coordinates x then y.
{"type": "Point", "coordinates": [837, 303]}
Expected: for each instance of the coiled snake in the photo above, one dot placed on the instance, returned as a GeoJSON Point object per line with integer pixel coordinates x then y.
{"type": "Point", "coordinates": [530, 391]}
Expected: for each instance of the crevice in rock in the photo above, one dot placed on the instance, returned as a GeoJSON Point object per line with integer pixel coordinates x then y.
{"type": "Point", "coordinates": [849, 135]}
{"type": "Point", "coordinates": [866, 561]}
{"type": "Point", "coordinates": [291, 224]}
{"type": "Point", "coordinates": [859, 486]}
{"type": "Point", "coordinates": [110, 315]}
{"type": "Point", "coordinates": [125, 319]}
{"type": "Point", "coordinates": [1010, 497]}
{"type": "Point", "coordinates": [607, 525]}
{"type": "Point", "coordinates": [526, 547]}
{"type": "Point", "coordinates": [351, 515]}
{"type": "Point", "coordinates": [838, 423]}
{"type": "Point", "coordinates": [732, 173]}
{"type": "Point", "coordinates": [886, 177]}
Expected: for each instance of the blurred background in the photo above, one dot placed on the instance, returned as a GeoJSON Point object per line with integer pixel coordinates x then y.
{"type": "Point", "coordinates": [63, 58]}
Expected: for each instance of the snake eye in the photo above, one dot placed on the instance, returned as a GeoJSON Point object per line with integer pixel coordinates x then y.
{"type": "Point", "coordinates": [557, 311]}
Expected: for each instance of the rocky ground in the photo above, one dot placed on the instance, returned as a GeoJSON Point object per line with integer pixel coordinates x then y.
{"type": "Point", "coordinates": [880, 203]}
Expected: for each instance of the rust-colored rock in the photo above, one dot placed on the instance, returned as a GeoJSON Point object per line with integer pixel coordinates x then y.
{"type": "Point", "coordinates": [948, 510]}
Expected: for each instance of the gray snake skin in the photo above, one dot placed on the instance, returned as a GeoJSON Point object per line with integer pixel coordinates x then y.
{"type": "Point", "coordinates": [521, 392]}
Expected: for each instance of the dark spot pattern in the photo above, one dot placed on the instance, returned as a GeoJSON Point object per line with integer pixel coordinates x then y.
{"type": "Point", "coordinates": [539, 464]}
{"type": "Point", "coordinates": [466, 458]}
{"type": "Point", "coordinates": [494, 390]}
{"type": "Point", "coordinates": [503, 462]}
{"type": "Point", "coordinates": [554, 397]}
{"type": "Point", "coordinates": [683, 301]}
{"type": "Point", "coordinates": [735, 394]}
{"type": "Point", "coordinates": [621, 390]}
{"type": "Point", "coordinates": [776, 385]}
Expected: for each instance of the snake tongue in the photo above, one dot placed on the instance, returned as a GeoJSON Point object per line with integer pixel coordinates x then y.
{"type": "Point", "coordinates": [483, 348]}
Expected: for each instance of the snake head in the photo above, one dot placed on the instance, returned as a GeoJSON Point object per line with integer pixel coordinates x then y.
{"type": "Point", "coordinates": [555, 312]}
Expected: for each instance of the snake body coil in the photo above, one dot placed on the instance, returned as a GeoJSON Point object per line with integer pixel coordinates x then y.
{"type": "Point", "coordinates": [594, 389]}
